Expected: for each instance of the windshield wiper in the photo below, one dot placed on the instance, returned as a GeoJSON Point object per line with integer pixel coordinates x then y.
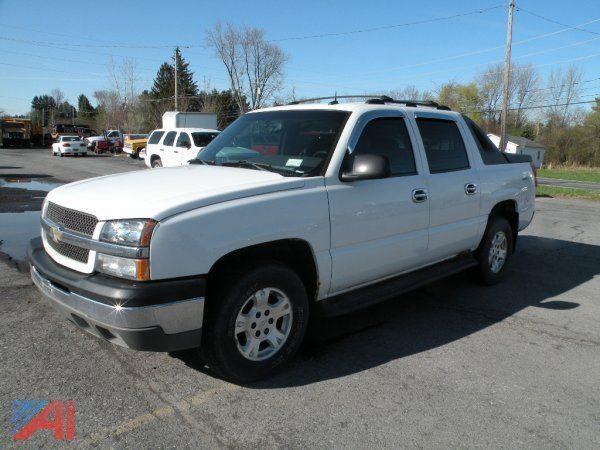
{"type": "Point", "coordinates": [246, 163]}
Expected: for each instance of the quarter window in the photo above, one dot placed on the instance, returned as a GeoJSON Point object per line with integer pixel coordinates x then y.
{"type": "Point", "coordinates": [388, 136]}
{"type": "Point", "coordinates": [169, 138]}
{"type": "Point", "coordinates": [155, 137]}
{"type": "Point", "coordinates": [443, 144]}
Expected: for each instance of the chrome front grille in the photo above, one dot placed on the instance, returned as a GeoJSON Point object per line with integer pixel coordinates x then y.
{"type": "Point", "coordinates": [71, 220]}
{"type": "Point", "coordinates": [68, 250]}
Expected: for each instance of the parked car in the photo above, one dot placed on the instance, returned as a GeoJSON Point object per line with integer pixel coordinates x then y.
{"type": "Point", "coordinates": [69, 145]}
{"type": "Point", "coordinates": [134, 143]}
{"type": "Point", "coordinates": [291, 211]}
{"type": "Point", "coordinates": [175, 147]}
{"type": "Point", "coordinates": [113, 138]}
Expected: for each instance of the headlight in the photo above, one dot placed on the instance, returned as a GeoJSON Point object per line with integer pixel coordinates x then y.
{"type": "Point", "coordinates": [131, 232]}
{"type": "Point", "coordinates": [134, 269]}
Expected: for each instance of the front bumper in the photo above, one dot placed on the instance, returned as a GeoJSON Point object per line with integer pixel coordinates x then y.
{"type": "Point", "coordinates": [154, 316]}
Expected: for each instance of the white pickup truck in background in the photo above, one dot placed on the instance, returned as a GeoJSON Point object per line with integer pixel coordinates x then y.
{"type": "Point", "coordinates": [290, 211]}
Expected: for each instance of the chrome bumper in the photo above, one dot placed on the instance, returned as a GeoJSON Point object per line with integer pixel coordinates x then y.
{"type": "Point", "coordinates": [132, 327]}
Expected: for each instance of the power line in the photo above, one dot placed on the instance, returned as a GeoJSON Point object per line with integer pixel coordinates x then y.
{"type": "Point", "coordinates": [388, 27]}
{"type": "Point", "coordinates": [537, 106]}
{"type": "Point", "coordinates": [547, 19]}
{"type": "Point", "coordinates": [66, 44]}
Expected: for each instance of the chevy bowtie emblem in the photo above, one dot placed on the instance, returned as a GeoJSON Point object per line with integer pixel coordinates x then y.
{"type": "Point", "coordinates": [56, 234]}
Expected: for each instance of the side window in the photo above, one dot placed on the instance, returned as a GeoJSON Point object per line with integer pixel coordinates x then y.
{"type": "Point", "coordinates": [183, 140]}
{"type": "Point", "coordinates": [170, 138]}
{"type": "Point", "coordinates": [444, 145]}
{"type": "Point", "coordinates": [489, 152]}
{"type": "Point", "coordinates": [155, 137]}
{"type": "Point", "coordinates": [388, 136]}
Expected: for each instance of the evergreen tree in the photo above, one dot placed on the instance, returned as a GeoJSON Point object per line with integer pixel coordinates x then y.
{"type": "Point", "coordinates": [43, 102]}
{"type": "Point", "coordinates": [164, 83]}
{"type": "Point", "coordinates": [85, 107]}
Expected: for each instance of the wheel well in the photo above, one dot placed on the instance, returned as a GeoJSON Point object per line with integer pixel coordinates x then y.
{"type": "Point", "coordinates": [294, 253]}
{"type": "Point", "coordinates": [508, 210]}
{"type": "Point", "coordinates": [154, 158]}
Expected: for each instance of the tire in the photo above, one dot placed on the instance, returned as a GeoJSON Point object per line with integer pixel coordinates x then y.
{"type": "Point", "coordinates": [156, 163]}
{"type": "Point", "coordinates": [60, 154]}
{"type": "Point", "coordinates": [495, 250]}
{"type": "Point", "coordinates": [222, 348]}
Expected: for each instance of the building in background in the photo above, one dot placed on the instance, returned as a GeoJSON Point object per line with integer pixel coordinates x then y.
{"type": "Point", "coordinates": [522, 146]}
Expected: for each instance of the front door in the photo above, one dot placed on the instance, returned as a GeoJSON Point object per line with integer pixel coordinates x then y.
{"type": "Point", "coordinates": [184, 151]}
{"type": "Point", "coordinates": [379, 227]}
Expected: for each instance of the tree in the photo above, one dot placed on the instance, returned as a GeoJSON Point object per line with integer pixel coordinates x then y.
{"type": "Point", "coordinates": [160, 97]}
{"type": "Point", "coordinates": [465, 98]}
{"type": "Point", "coordinates": [524, 92]}
{"type": "Point", "coordinates": [254, 65]}
{"type": "Point", "coordinates": [58, 96]}
{"type": "Point", "coordinates": [43, 102]}
{"type": "Point", "coordinates": [410, 92]}
{"type": "Point", "coordinates": [221, 103]}
{"type": "Point", "coordinates": [563, 89]}
{"type": "Point", "coordinates": [85, 107]}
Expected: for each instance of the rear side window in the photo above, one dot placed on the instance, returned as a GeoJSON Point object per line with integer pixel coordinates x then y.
{"type": "Point", "coordinates": [170, 138]}
{"type": "Point", "coordinates": [155, 137]}
{"type": "Point", "coordinates": [203, 139]}
{"type": "Point", "coordinates": [444, 145]}
{"type": "Point", "coordinates": [489, 152]}
{"type": "Point", "coordinates": [388, 136]}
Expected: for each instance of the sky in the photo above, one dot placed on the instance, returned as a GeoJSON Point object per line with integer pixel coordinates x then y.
{"type": "Point", "coordinates": [69, 44]}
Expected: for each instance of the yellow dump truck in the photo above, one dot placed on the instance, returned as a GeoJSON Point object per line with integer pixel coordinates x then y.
{"type": "Point", "coordinates": [15, 132]}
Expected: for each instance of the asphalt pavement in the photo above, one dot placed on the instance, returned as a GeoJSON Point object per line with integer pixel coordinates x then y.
{"type": "Point", "coordinates": [454, 364]}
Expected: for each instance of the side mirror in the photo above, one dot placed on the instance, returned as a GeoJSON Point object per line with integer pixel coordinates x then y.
{"type": "Point", "coordinates": [366, 167]}
{"type": "Point", "coordinates": [187, 145]}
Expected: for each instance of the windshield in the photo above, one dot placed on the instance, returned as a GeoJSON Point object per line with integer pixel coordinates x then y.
{"type": "Point", "coordinates": [292, 143]}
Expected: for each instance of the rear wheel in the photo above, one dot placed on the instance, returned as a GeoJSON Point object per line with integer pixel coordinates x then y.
{"type": "Point", "coordinates": [255, 326]}
{"type": "Point", "coordinates": [494, 251]}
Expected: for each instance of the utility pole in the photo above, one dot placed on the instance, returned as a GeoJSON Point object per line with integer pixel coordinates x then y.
{"type": "Point", "coordinates": [176, 99]}
{"type": "Point", "coordinates": [511, 9]}
{"type": "Point", "coordinates": [43, 127]}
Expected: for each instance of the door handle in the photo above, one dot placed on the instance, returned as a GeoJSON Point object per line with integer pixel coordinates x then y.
{"type": "Point", "coordinates": [175, 151]}
{"type": "Point", "coordinates": [470, 189]}
{"type": "Point", "coordinates": [162, 149]}
{"type": "Point", "coordinates": [420, 195]}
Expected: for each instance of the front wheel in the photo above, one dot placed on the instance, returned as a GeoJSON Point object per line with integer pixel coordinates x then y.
{"type": "Point", "coordinates": [255, 326]}
{"type": "Point", "coordinates": [494, 251]}
{"type": "Point", "coordinates": [156, 163]}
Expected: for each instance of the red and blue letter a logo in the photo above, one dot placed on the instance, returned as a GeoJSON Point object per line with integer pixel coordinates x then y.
{"type": "Point", "coordinates": [31, 415]}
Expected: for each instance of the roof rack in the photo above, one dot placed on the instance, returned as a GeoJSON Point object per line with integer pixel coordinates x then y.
{"type": "Point", "coordinates": [375, 100]}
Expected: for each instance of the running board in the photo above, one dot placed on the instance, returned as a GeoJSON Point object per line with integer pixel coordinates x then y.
{"type": "Point", "coordinates": [388, 289]}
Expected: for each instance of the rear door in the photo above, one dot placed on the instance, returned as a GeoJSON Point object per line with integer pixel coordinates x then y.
{"type": "Point", "coordinates": [379, 227]}
{"type": "Point", "coordinates": [453, 186]}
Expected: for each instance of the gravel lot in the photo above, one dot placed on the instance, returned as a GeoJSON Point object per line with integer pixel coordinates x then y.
{"type": "Point", "coordinates": [454, 364]}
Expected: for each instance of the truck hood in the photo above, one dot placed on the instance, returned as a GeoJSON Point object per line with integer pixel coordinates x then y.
{"type": "Point", "coordinates": [160, 193]}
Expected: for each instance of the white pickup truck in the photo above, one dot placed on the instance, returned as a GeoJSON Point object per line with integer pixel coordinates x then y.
{"type": "Point", "coordinates": [290, 211]}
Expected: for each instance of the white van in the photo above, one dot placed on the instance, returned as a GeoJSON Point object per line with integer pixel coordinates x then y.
{"type": "Point", "coordinates": [175, 147]}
